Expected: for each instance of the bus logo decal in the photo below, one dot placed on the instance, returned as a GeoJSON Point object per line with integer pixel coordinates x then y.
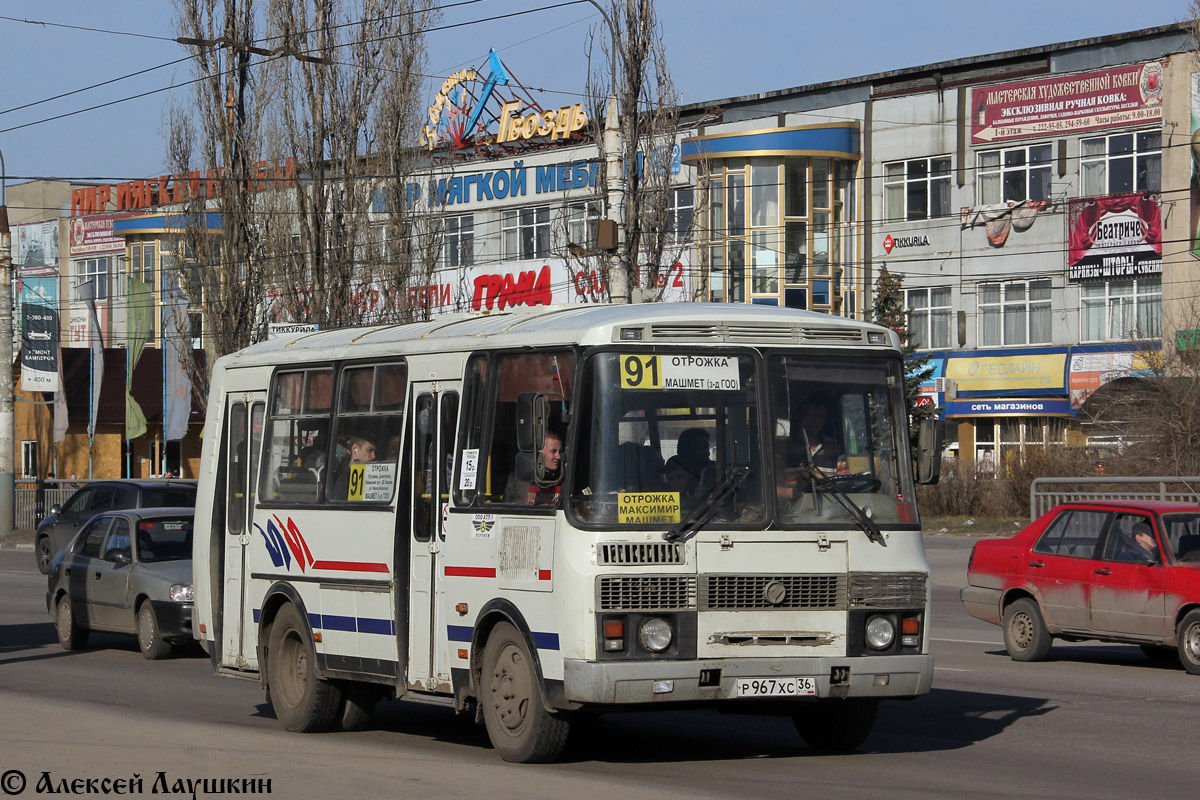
{"type": "Point", "coordinates": [283, 542]}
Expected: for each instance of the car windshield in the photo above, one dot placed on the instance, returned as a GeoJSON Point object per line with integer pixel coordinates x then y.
{"type": "Point", "coordinates": [661, 430]}
{"type": "Point", "coordinates": [838, 429]}
{"type": "Point", "coordinates": [1183, 536]}
{"type": "Point", "coordinates": [164, 539]}
{"type": "Point", "coordinates": [168, 496]}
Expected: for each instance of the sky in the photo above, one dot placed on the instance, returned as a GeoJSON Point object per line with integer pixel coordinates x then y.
{"type": "Point", "coordinates": [114, 128]}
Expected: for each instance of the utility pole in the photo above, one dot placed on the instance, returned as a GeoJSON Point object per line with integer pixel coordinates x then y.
{"type": "Point", "coordinates": [7, 484]}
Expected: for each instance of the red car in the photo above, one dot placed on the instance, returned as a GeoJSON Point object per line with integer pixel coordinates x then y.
{"type": "Point", "coordinates": [1114, 571]}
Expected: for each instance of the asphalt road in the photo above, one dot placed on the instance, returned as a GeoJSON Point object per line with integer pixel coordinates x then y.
{"type": "Point", "coordinates": [1094, 721]}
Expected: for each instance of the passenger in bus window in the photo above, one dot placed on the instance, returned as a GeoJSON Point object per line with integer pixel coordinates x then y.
{"type": "Point", "coordinates": [679, 478]}
{"type": "Point", "coordinates": [692, 451]}
{"type": "Point", "coordinates": [521, 488]}
{"type": "Point", "coordinates": [360, 450]}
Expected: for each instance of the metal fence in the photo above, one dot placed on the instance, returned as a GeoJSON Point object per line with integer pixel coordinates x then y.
{"type": "Point", "coordinates": [33, 499]}
{"type": "Point", "coordinates": [1046, 493]}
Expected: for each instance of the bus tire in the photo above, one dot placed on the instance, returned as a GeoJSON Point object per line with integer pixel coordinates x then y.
{"type": "Point", "coordinates": [302, 701]}
{"type": "Point", "coordinates": [836, 725]}
{"type": "Point", "coordinates": [518, 724]}
{"type": "Point", "coordinates": [359, 706]}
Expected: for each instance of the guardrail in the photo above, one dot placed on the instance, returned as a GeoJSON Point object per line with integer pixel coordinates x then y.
{"type": "Point", "coordinates": [32, 499]}
{"type": "Point", "coordinates": [1045, 494]}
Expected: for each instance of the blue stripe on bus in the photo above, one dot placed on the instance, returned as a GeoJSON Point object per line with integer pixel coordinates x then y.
{"type": "Point", "coordinates": [462, 633]}
{"type": "Point", "coordinates": [332, 622]}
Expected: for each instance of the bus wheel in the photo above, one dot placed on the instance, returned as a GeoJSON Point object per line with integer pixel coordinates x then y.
{"type": "Point", "coordinates": [836, 725]}
{"type": "Point", "coordinates": [359, 706]}
{"type": "Point", "coordinates": [518, 724]}
{"type": "Point", "coordinates": [302, 701]}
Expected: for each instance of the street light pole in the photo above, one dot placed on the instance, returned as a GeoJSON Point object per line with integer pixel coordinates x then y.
{"type": "Point", "coordinates": [618, 276]}
{"type": "Point", "coordinates": [7, 485]}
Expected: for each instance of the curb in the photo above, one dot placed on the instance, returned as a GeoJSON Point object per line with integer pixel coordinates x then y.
{"type": "Point", "coordinates": [4, 546]}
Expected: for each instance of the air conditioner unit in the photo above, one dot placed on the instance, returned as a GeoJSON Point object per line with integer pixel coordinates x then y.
{"type": "Point", "coordinates": [939, 384]}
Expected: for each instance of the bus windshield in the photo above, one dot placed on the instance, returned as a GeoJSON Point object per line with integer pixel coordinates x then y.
{"type": "Point", "coordinates": [837, 428]}
{"type": "Point", "coordinates": [664, 429]}
{"type": "Point", "coordinates": [660, 430]}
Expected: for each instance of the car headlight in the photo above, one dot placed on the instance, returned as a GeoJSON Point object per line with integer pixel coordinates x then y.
{"type": "Point", "coordinates": [181, 593]}
{"type": "Point", "coordinates": [880, 633]}
{"type": "Point", "coordinates": [655, 634]}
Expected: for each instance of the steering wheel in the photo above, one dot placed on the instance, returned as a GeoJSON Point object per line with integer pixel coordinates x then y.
{"type": "Point", "coordinates": [858, 483]}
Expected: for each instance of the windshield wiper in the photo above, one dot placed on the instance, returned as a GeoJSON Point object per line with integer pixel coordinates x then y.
{"type": "Point", "coordinates": [703, 512]}
{"type": "Point", "coordinates": [819, 481]}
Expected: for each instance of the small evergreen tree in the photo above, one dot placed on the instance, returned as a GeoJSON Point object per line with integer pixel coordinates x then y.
{"type": "Point", "coordinates": [887, 309]}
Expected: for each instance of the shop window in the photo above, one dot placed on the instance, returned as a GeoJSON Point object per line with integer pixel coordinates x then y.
{"type": "Point", "coordinates": [765, 255]}
{"type": "Point", "coordinates": [1123, 162]}
{"type": "Point", "coordinates": [796, 252]}
{"type": "Point", "coordinates": [29, 459]}
{"type": "Point", "coordinates": [929, 315]}
{"type": "Point", "coordinates": [916, 189]}
{"type": "Point", "coordinates": [735, 222]}
{"type": "Point", "coordinates": [458, 241]}
{"type": "Point", "coordinates": [716, 273]}
{"type": "Point", "coordinates": [525, 233]}
{"type": "Point", "coordinates": [795, 187]}
{"type": "Point", "coordinates": [820, 182]}
{"type": "Point", "coordinates": [716, 208]}
{"type": "Point", "coordinates": [1014, 313]}
{"type": "Point", "coordinates": [680, 215]}
{"type": "Point", "coordinates": [820, 245]}
{"type": "Point", "coordinates": [1014, 175]}
{"type": "Point", "coordinates": [764, 192]}
{"type": "Point", "coordinates": [1121, 310]}
{"type": "Point", "coordinates": [95, 270]}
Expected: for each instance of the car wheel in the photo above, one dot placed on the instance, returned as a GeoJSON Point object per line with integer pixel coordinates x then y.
{"type": "Point", "coordinates": [1159, 653]}
{"type": "Point", "coordinates": [153, 645]}
{"type": "Point", "coordinates": [1189, 642]}
{"type": "Point", "coordinates": [836, 725]}
{"type": "Point", "coordinates": [70, 634]}
{"type": "Point", "coordinates": [44, 554]}
{"type": "Point", "coordinates": [518, 724]}
{"type": "Point", "coordinates": [1025, 634]}
{"type": "Point", "coordinates": [302, 701]}
{"type": "Point", "coordinates": [360, 705]}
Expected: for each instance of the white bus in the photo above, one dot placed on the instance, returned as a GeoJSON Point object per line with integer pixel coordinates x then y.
{"type": "Point", "coordinates": [598, 508]}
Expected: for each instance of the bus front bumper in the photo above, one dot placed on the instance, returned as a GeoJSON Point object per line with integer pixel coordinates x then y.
{"type": "Point", "coordinates": [633, 682]}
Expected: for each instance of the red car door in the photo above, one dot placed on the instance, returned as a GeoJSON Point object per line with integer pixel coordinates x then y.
{"type": "Point", "coordinates": [1059, 567]}
{"type": "Point", "coordinates": [1128, 591]}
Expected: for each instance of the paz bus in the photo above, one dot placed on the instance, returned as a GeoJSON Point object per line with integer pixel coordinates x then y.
{"type": "Point", "coordinates": [529, 514]}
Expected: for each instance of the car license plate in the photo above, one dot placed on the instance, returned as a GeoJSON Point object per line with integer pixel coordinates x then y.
{"type": "Point", "coordinates": [774, 687]}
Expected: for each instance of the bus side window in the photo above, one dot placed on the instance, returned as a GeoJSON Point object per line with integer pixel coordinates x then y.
{"type": "Point", "coordinates": [551, 374]}
{"type": "Point", "coordinates": [474, 397]}
{"type": "Point", "coordinates": [297, 436]}
{"type": "Point", "coordinates": [369, 423]}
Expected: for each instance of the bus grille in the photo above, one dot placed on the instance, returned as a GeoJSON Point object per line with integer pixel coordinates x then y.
{"type": "Point", "coordinates": [740, 592]}
{"type": "Point", "coordinates": [647, 592]}
{"type": "Point", "coordinates": [887, 589]}
{"type": "Point", "coordinates": [637, 554]}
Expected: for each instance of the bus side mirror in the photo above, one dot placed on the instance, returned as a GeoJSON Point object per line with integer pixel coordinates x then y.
{"type": "Point", "coordinates": [531, 422]}
{"type": "Point", "coordinates": [929, 451]}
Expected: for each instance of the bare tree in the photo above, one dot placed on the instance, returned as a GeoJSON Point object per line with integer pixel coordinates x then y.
{"type": "Point", "coordinates": [636, 135]}
{"type": "Point", "coordinates": [216, 139]}
{"type": "Point", "coordinates": [344, 116]}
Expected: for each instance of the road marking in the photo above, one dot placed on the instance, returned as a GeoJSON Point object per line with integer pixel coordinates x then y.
{"type": "Point", "coordinates": [951, 669]}
{"type": "Point", "coordinates": [968, 641]}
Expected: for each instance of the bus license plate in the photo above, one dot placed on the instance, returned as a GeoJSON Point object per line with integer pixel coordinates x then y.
{"type": "Point", "coordinates": [774, 687]}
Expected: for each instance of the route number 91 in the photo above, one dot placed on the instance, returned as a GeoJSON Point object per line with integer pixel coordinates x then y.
{"type": "Point", "coordinates": [641, 372]}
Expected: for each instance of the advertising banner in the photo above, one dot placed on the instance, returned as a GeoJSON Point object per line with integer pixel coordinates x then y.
{"type": "Point", "coordinates": [91, 235]}
{"type": "Point", "coordinates": [1119, 236]}
{"type": "Point", "coordinates": [1008, 373]}
{"type": "Point", "coordinates": [37, 246]}
{"type": "Point", "coordinates": [39, 334]}
{"type": "Point", "coordinates": [1086, 101]}
{"type": "Point", "coordinates": [1090, 371]}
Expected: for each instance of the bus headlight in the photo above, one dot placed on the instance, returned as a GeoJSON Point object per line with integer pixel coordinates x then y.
{"type": "Point", "coordinates": [880, 632]}
{"type": "Point", "coordinates": [182, 593]}
{"type": "Point", "coordinates": [655, 634]}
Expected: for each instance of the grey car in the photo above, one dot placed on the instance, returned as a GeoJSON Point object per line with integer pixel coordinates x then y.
{"type": "Point", "coordinates": [60, 527]}
{"type": "Point", "coordinates": [126, 572]}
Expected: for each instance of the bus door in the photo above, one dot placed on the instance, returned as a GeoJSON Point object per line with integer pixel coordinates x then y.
{"type": "Point", "coordinates": [435, 413]}
{"type": "Point", "coordinates": [243, 444]}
